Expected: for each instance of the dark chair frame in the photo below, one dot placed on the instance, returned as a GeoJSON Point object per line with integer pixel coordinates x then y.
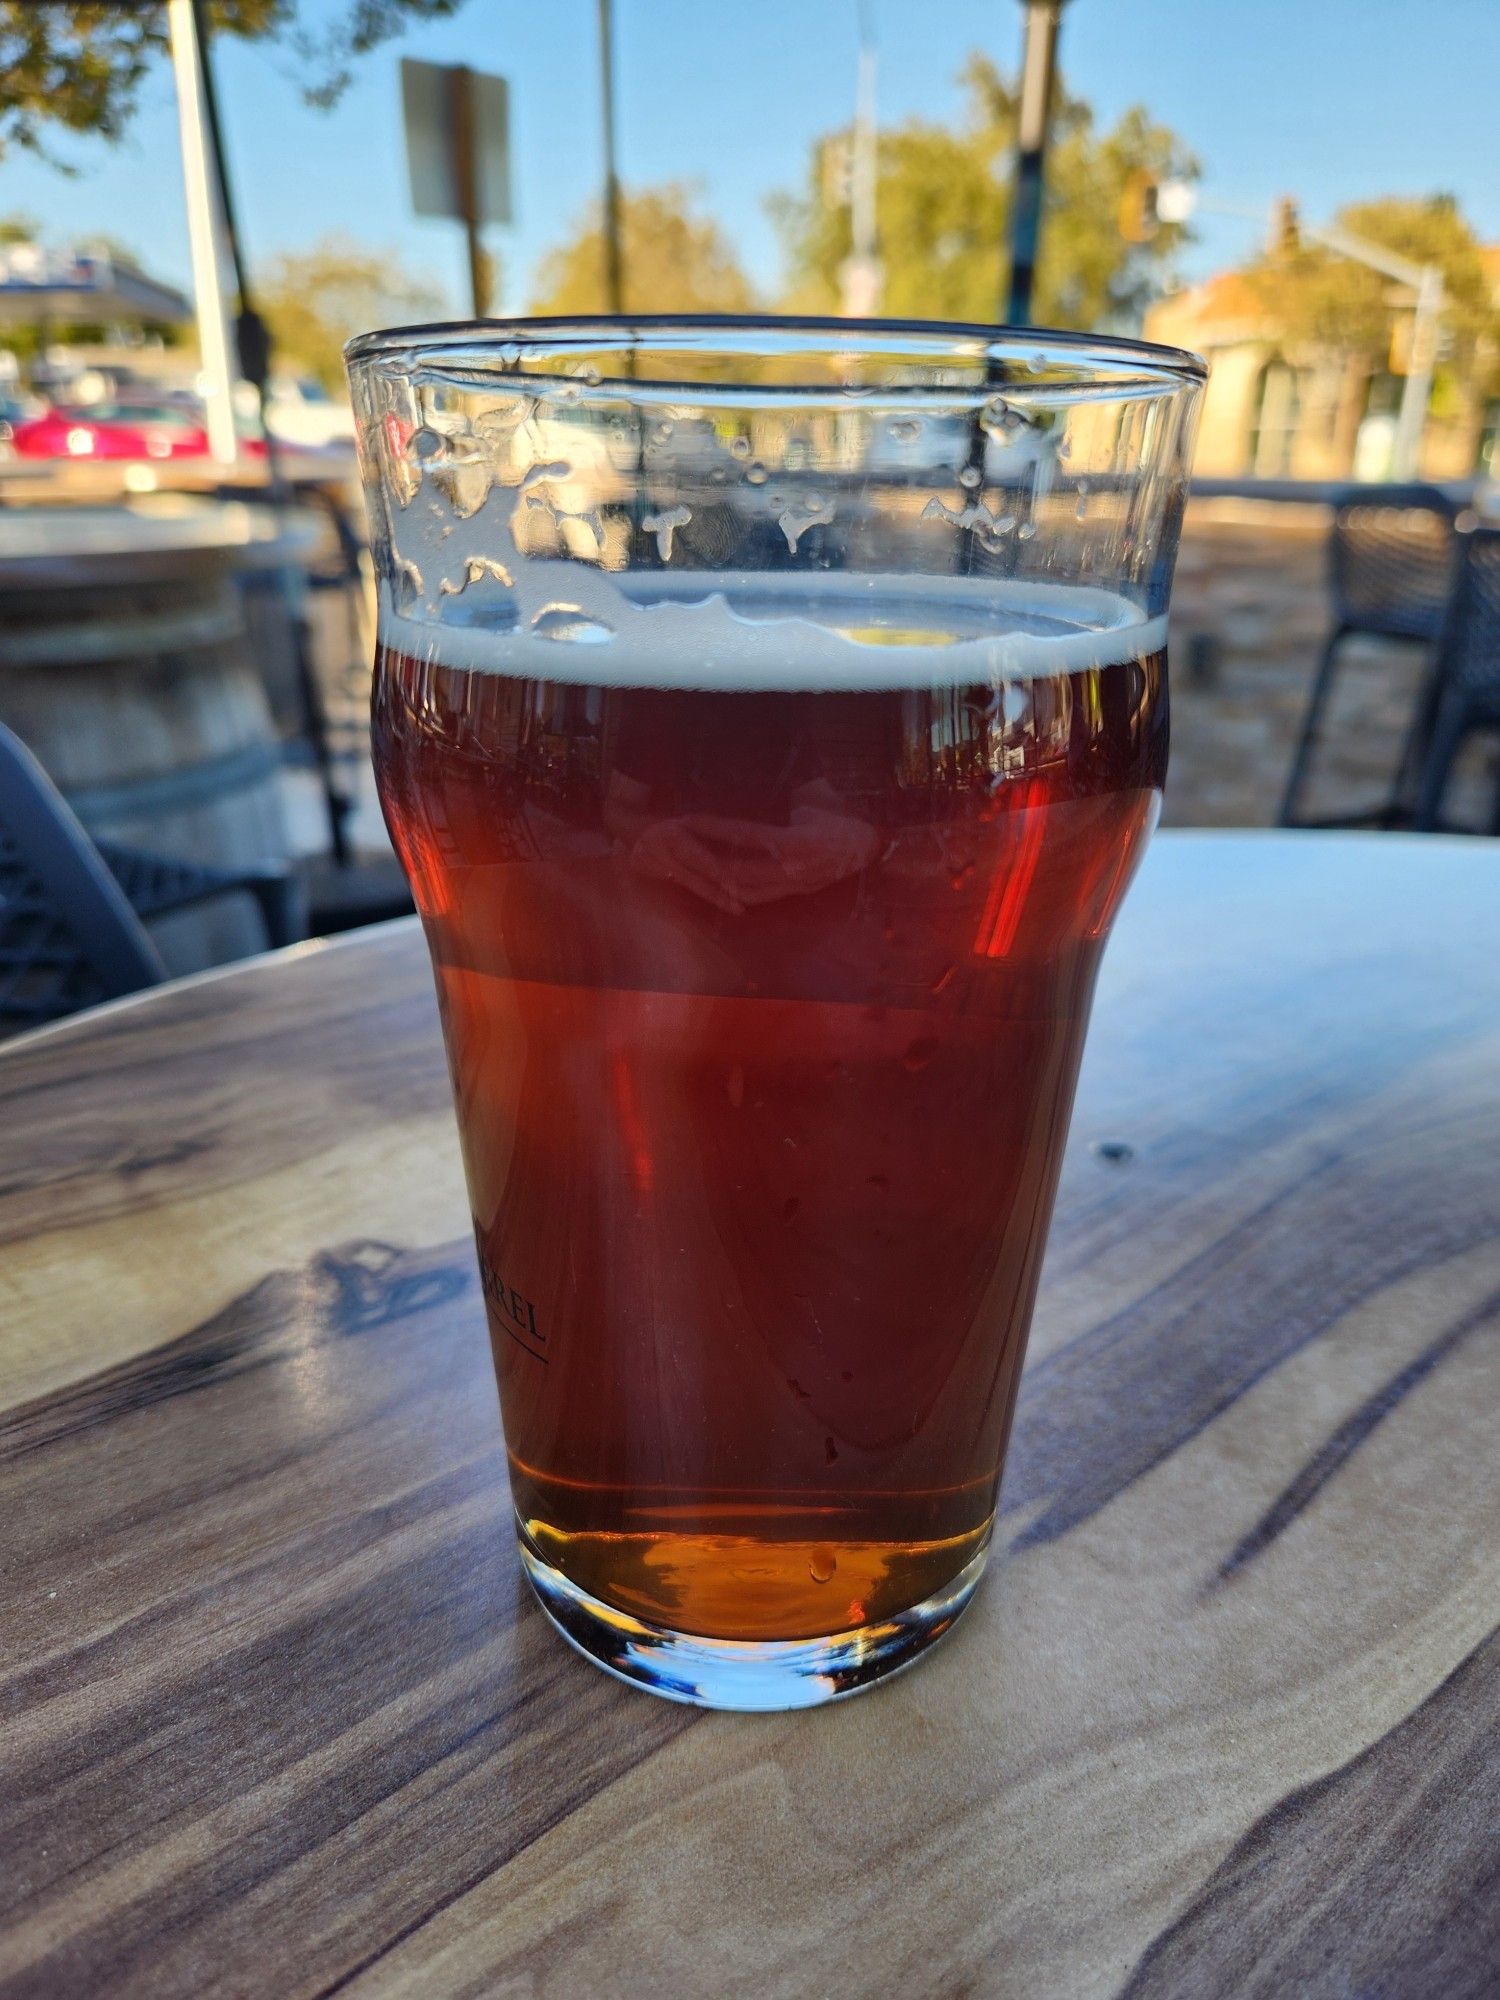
{"type": "Point", "coordinates": [1466, 672]}
{"type": "Point", "coordinates": [1414, 621]}
{"type": "Point", "coordinates": [75, 908]}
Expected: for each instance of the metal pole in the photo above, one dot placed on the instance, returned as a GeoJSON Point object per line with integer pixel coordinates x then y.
{"type": "Point", "coordinates": [251, 338]}
{"type": "Point", "coordinates": [1038, 66]}
{"type": "Point", "coordinates": [254, 347]}
{"type": "Point", "coordinates": [461, 111]}
{"type": "Point", "coordinates": [614, 279]}
{"type": "Point", "coordinates": [204, 240]}
{"type": "Point", "coordinates": [861, 274]}
{"type": "Point", "coordinates": [1418, 386]}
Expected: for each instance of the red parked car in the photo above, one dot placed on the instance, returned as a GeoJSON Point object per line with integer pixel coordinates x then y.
{"type": "Point", "coordinates": [117, 430]}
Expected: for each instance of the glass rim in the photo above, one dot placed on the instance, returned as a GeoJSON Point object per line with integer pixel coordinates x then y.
{"type": "Point", "coordinates": [1092, 358]}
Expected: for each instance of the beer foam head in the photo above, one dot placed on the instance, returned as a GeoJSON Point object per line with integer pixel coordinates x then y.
{"type": "Point", "coordinates": [805, 630]}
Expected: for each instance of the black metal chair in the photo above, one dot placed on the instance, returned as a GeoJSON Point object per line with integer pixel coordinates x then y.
{"type": "Point", "coordinates": [71, 912]}
{"type": "Point", "coordinates": [1466, 677]}
{"type": "Point", "coordinates": [1390, 555]}
{"type": "Point", "coordinates": [321, 717]}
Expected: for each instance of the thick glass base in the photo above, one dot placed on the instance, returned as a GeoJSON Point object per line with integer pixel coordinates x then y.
{"type": "Point", "coordinates": [744, 1674]}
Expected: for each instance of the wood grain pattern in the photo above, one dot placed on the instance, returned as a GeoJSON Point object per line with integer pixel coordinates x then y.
{"type": "Point", "coordinates": [281, 1720]}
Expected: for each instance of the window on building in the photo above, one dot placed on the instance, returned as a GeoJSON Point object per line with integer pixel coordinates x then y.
{"type": "Point", "coordinates": [1273, 425]}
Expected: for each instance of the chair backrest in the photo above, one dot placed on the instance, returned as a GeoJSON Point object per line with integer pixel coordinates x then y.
{"type": "Point", "coordinates": [1389, 559]}
{"type": "Point", "coordinates": [1469, 647]}
{"type": "Point", "coordinates": [68, 937]}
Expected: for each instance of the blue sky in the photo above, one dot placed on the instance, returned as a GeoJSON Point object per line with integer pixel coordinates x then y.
{"type": "Point", "coordinates": [1331, 100]}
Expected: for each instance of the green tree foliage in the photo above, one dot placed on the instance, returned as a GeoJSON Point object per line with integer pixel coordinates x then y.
{"type": "Point", "coordinates": [943, 202]}
{"type": "Point", "coordinates": [675, 260]}
{"type": "Point", "coordinates": [1327, 300]}
{"type": "Point", "coordinates": [80, 63]}
{"type": "Point", "coordinates": [314, 300]}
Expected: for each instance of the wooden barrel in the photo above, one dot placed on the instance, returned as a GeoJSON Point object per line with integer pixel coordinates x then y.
{"type": "Point", "coordinates": [130, 675]}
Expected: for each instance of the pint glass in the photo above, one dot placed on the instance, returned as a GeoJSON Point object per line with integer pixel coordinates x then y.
{"type": "Point", "coordinates": [769, 716]}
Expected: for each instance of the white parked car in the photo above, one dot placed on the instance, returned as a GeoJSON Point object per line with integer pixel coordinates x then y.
{"type": "Point", "coordinates": [301, 412]}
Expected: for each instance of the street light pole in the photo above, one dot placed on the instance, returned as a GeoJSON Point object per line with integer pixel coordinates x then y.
{"type": "Point", "coordinates": [1426, 281]}
{"type": "Point", "coordinates": [614, 278]}
{"type": "Point", "coordinates": [1417, 387]}
{"type": "Point", "coordinates": [205, 238]}
{"type": "Point", "coordinates": [1177, 200]}
{"type": "Point", "coordinates": [1038, 69]}
{"type": "Point", "coordinates": [861, 273]}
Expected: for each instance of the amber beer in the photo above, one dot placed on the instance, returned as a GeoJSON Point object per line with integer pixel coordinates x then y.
{"type": "Point", "coordinates": [764, 995]}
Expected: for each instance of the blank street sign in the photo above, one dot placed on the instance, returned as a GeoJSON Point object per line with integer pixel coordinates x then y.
{"type": "Point", "coordinates": [427, 99]}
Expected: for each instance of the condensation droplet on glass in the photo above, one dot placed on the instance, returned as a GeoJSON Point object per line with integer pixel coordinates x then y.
{"type": "Point", "coordinates": [557, 468]}
{"type": "Point", "coordinates": [476, 569]}
{"type": "Point", "coordinates": [426, 443]}
{"type": "Point", "coordinates": [740, 446]}
{"type": "Point", "coordinates": [1026, 530]}
{"type": "Point", "coordinates": [588, 374]}
{"type": "Point", "coordinates": [795, 522]}
{"type": "Point", "coordinates": [905, 429]}
{"type": "Point", "coordinates": [970, 476]}
{"type": "Point", "coordinates": [1005, 524]}
{"type": "Point", "coordinates": [502, 419]}
{"type": "Point", "coordinates": [467, 486]}
{"type": "Point", "coordinates": [663, 430]}
{"type": "Point", "coordinates": [1038, 362]}
{"type": "Point", "coordinates": [756, 474]}
{"type": "Point", "coordinates": [664, 526]}
{"type": "Point", "coordinates": [822, 1563]}
{"type": "Point", "coordinates": [570, 624]}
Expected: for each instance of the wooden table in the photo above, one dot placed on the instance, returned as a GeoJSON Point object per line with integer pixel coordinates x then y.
{"type": "Point", "coordinates": [281, 1719]}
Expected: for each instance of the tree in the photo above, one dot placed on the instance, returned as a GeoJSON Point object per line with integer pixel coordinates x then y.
{"type": "Point", "coordinates": [80, 63]}
{"type": "Point", "coordinates": [943, 203]}
{"type": "Point", "coordinates": [674, 259]}
{"type": "Point", "coordinates": [313, 300]}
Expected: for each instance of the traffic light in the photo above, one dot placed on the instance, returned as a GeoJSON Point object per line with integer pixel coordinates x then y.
{"type": "Point", "coordinates": [1139, 218]}
{"type": "Point", "coordinates": [1286, 227]}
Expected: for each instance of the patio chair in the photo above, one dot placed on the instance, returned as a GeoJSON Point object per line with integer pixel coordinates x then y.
{"type": "Point", "coordinates": [71, 910]}
{"type": "Point", "coordinates": [1467, 673]}
{"type": "Point", "coordinates": [1390, 554]}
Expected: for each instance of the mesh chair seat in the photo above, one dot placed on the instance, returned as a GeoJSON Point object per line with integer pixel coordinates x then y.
{"type": "Point", "coordinates": [1390, 559]}
{"type": "Point", "coordinates": [71, 930]}
{"type": "Point", "coordinates": [155, 885]}
{"type": "Point", "coordinates": [43, 974]}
